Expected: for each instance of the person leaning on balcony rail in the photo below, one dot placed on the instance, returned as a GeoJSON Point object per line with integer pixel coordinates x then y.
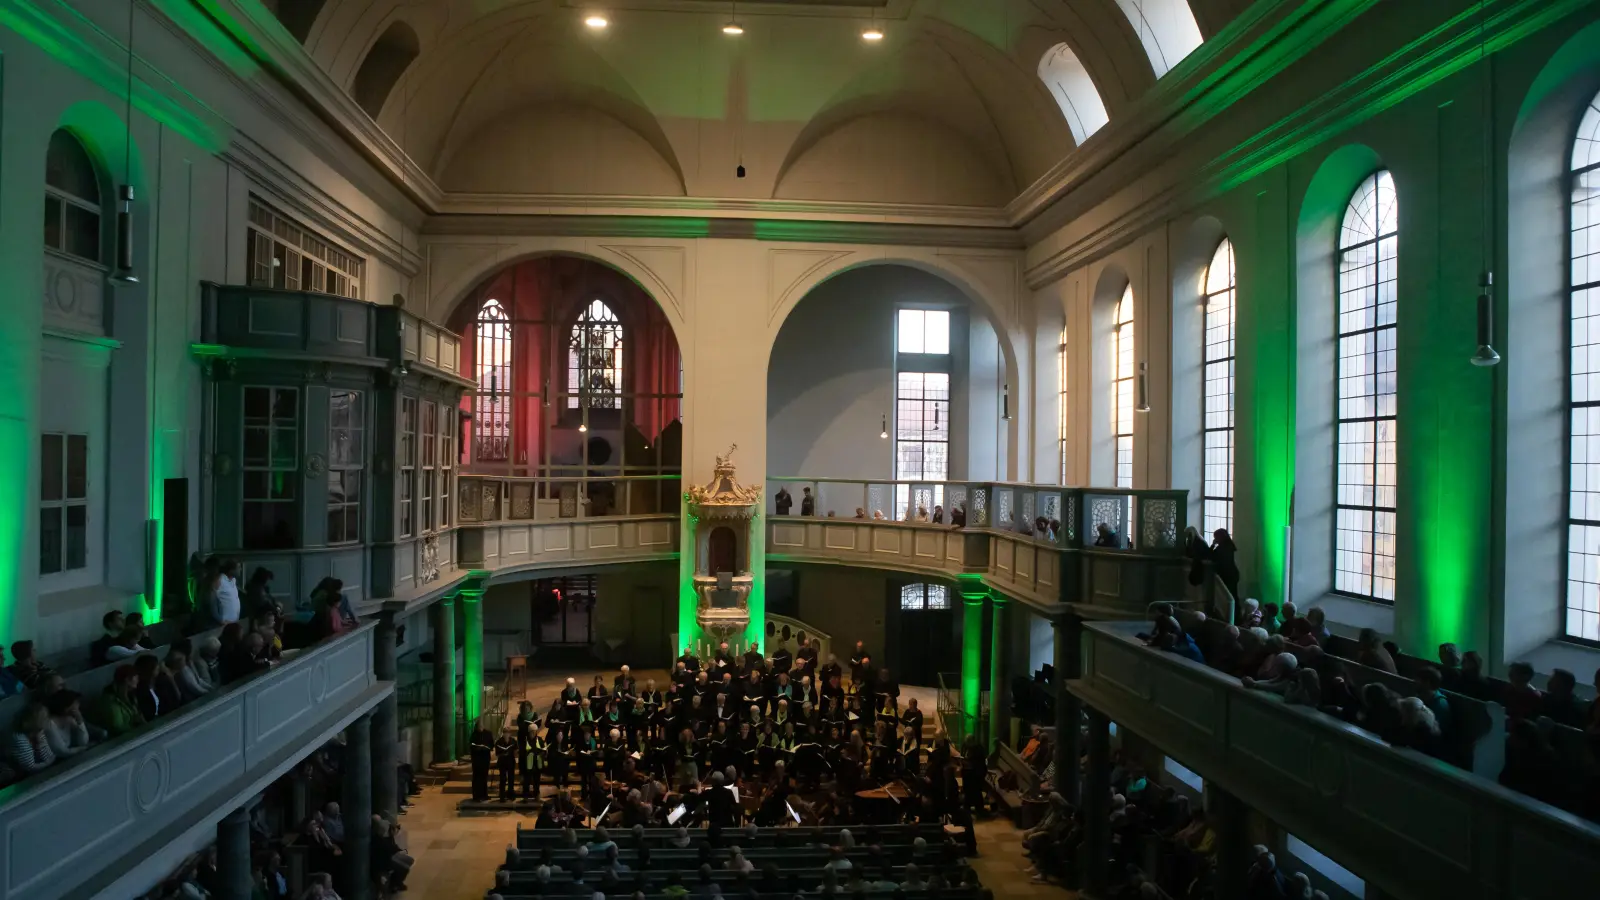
{"type": "Point", "coordinates": [26, 666]}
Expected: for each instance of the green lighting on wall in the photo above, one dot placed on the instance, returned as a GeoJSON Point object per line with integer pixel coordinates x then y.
{"type": "Point", "coordinates": [973, 592]}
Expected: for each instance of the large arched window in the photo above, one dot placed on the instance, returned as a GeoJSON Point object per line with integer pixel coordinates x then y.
{"type": "Point", "coordinates": [1069, 83]}
{"type": "Point", "coordinates": [1166, 28]}
{"type": "Point", "coordinates": [71, 199]}
{"type": "Point", "coordinates": [594, 359]}
{"type": "Point", "coordinates": [1061, 402]}
{"type": "Point", "coordinates": [1583, 486]}
{"type": "Point", "coordinates": [492, 420]}
{"type": "Point", "coordinates": [1364, 542]}
{"type": "Point", "coordinates": [1122, 387]}
{"type": "Point", "coordinates": [1217, 424]}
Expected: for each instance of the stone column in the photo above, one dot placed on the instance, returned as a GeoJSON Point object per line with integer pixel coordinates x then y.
{"type": "Point", "coordinates": [973, 593]}
{"type": "Point", "coordinates": [999, 673]}
{"type": "Point", "coordinates": [233, 856]}
{"type": "Point", "coordinates": [1097, 805]}
{"type": "Point", "coordinates": [1230, 818]}
{"type": "Point", "coordinates": [385, 717]}
{"type": "Point", "coordinates": [299, 795]}
{"type": "Point", "coordinates": [472, 655]}
{"type": "Point", "coordinates": [355, 802]}
{"type": "Point", "coordinates": [1069, 709]}
{"type": "Point", "coordinates": [444, 680]}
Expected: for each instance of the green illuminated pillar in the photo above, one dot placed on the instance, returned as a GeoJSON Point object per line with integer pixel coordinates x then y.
{"type": "Point", "coordinates": [973, 593]}
{"type": "Point", "coordinates": [688, 601]}
{"type": "Point", "coordinates": [999, 677]}
{"type": "Point", "coordinates": [756, 632]}
{"type": "Point", "coordinates": [472, 653]}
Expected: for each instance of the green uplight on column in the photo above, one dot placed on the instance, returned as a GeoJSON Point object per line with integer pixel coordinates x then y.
{"type": "Point", "coordinates": [973, 593]}
{"type": "Point", "coordinates": [472, 652]}
{"type": "Point", "coordinates": [688, 601]}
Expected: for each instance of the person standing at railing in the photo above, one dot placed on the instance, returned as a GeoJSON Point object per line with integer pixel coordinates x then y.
{"type": "Point", "coordinates": [808, 503]}
{"type": "Point", "coordinates": [1223, 562]}
{"type": "Point", "coordinates": [783, 501]}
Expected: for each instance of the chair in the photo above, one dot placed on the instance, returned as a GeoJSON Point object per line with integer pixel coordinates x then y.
{"type": "Point", "coordinates": [517, 674]}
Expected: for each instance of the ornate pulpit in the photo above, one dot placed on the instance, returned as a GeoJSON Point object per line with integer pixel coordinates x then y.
{"type": "Point", "coordinates": [722, 514]}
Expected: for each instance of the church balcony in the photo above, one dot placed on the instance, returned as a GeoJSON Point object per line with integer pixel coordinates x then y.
{"type": "Point", "coordinates": [122, 815]}
{"type": "Point", "coordinates": [1044, 566]}
{"type": "Point", "coordinates": [510, 525]}
{"type": "Point", "coordinates": [1408, 824]}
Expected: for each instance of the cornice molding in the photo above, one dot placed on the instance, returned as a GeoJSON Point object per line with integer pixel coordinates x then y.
{"type": "Point", "coordinates": [1418, 65]}
{"type": "Point", "coordinates": [725, 227]}
{"type": "Point", "coordinates": [489, 204]}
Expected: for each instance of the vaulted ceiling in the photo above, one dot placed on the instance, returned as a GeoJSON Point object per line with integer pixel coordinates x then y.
{"type": "Point", "coordinates": [521, 97]}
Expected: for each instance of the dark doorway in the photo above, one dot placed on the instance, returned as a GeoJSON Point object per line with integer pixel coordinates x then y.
{"type": "Point", "coordinates": [921, 632]}
{"type": "Point", "coordinates": [783, 593]}
{"type": "Point", "coordinates": [175, 547]}
{"type": "Point", "coordinates": [563, 611]}
{"type": "Point", "coordinates": [724, 550]}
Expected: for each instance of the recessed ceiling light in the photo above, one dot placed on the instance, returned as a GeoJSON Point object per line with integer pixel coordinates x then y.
{"type": "Point", "coordinates": [733, 28]}
{"type": "Point", "coordinates": [596, 22]}
{"type": "Point", "coordinates": [872, 34]}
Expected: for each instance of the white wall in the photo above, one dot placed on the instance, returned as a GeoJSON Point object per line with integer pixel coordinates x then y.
{"type": "Point", "coordinates": [831, 378]}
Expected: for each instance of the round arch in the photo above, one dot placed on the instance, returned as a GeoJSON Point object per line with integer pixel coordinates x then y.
{"type": "Point", "coordinates": [985, 298]}
{"type": "Point", "coordinates": [1193, 248]}
{"type": "Point", "coordinates": [458, 286]}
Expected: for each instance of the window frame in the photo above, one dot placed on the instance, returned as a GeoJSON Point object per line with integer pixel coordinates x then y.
{"type": "Point", "coordinates": [410, 414]}
{"type": "Point", "coordinates": [920, 597]}
{"type": "Point", "coordinates": [290, 470]}
{"type": "Point", "coordinates": [492, 401]}
{"type": "Point", "coordinates": [65, 504]}
{"type": "Point", "coordinates": [1377, 179]}
{"type": "Point", "coordinates": [301, 253]}
{"type": "Point", "coordinates": [1589, 117]}
{"type": "Point", "coordinates": [1061, 403]}
{"type": "Point", "coordinates": [347, 510]}
{"type": "Point", "coordinates": [580, 343]}
{"type": "Point", "coordinates": [1124, 374]}
{"type": "Point", "coordinates": [61, 199]}
{"type": "Point", "coordinates": [429, 466]}
{"type": "Point", "coordinates": [1208, 295]}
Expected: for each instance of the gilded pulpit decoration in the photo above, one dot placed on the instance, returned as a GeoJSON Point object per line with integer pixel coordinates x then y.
{"type": "Point", "coordinates": [722, 514]}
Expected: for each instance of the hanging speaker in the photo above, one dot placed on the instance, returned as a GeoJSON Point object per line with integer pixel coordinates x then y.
{"type": "Point", "coordinates": [124, 272]}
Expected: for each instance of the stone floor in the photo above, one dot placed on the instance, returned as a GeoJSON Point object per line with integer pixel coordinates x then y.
{"type": "Point", "coordinates": [457, 855]}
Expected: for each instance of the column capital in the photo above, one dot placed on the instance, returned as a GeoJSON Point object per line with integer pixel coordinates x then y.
{"type": "Point", "coordinates": [998, 599]}
{"type": "Point", "coordinates": [447, 599]}
{"type": "Point", "coordinates": [972, 589]}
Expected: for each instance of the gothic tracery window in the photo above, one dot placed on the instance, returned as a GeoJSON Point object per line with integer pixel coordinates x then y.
{"type": "Point", "coordinates": [594, 359]}
{"type": "Point", "coordinates": [1364, 543]}
{"type": "Point", "coordinates": [493, 362]}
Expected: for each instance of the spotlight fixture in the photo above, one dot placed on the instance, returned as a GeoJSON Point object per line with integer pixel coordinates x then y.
{"type": "Point", "coordinates": [1486, 355]}
{"type": "Point", "coordinates": [883, 433]}
{"type": "Point", "coordinates": [596, 22]}
{"type": "Point", "coordinates": [873, 34]}
{"type": "Point", "coordinates": [733, 28]}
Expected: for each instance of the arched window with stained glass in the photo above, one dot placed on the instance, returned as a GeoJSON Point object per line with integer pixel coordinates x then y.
{"type": "Point", "coordinates": [492, 420]}
{"type": "Point", "coordinates": [594, 359]}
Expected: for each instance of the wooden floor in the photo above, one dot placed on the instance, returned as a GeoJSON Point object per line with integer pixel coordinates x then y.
{"type": "Point", "coordinates": [457, 855]}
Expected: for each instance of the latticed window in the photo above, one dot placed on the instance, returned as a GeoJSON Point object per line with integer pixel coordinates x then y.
{"type": "Point", "coordinates": [279, 253]}
{"type": "Point", "coordinates": [1364, 541]}
{"type": "Point", "coordinates": [71, 199]}
{"type": "Point", "coordinates": [1122, 387]}
{"type": "Point", "coordinates": [1061, 403]}
{"type": "Point", "coordinates": [1583, 486]}
{"type": "Point", "coordinates": [594, 359]}
{"type": "Point", "coordinates": [1217, 425]}
{"type": "Point", "coordinates": [346, 452]}
{"type": "Point", "coordinates": [918, 597]}
{"type": "Point", "coordinates": [492, 423]}
{"type": "Point", "coordinates": [271, 467]}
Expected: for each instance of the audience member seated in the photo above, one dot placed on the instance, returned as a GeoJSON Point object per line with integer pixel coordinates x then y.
{"type": "Point", "coordinates": [66, 730]}
{"type": "Point", "coordinates": [1371, 652]}
{"type": "Point", "coordinates": [1417, 727]}
{"type": "Point", "coordinates": [111, 624]}
{"type": "Point", "coordinates": [26, 749]}
{"type": "Point", "coordinates": [129, 643]}
{"type": "Point", "coordinates": [1520, 698]}
{"type": "Point", "coordinates": [116, 711]}
{"type": "Point", "coordinates": [1560, 703]}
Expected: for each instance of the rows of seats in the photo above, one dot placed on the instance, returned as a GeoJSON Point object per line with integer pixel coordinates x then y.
{"type": "Point", "coordinates": [671, 862]}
